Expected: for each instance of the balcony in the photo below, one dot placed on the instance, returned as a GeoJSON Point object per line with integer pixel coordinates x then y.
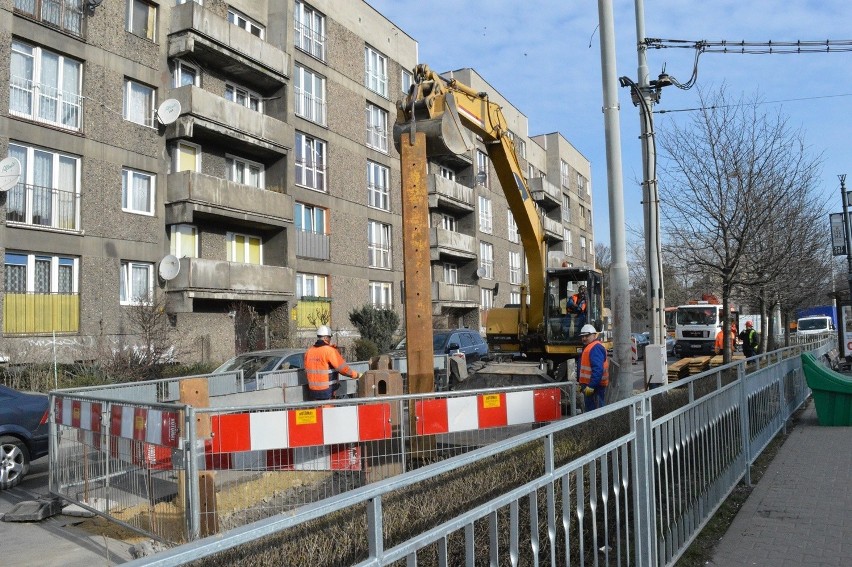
{"type": "Point", "coordinates": [200, 278]}
{"type": "Point", "coordinates": [44, 207]}
{"type": "Point", "coordinates": [311, 310]}
{"type": "Point", "coordinates": [208, 117]}
{"type": "Point", "coordinates": [455, 295]}
{"type": "Point", "coordinates": [40, 313]}
{"type": "Point", "coordinates": [446, 243]}
{"type": "Point", "coordinates": [45, 104]}
{"type": "Point", "coordinates": [545, 193]}
{"type": "Point", "coordinates": [447, 193]}
{"type": "Point", "coordinates": [64, 15]}
{"type": "Point", "coordinates": [190, 196]}
{"type": "Point", "coordinates": [553, 229]}
{"type": "Point", "coordinates": [312, 245]}
{"type": "Point", "coordinates": [235, 53]}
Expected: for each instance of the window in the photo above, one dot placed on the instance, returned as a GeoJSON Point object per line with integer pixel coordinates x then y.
{"type": "Point", "coordinates": [448, 222]}
{"type": "Point", "coordinates": [486, 298]}
{"type": "Point", "coordinates": [137, 192]}
{"type": "Point", "coordinates": [142, 19]}
{"type": "Point", "coordinates": [309, 218]}
{"type": "Point", "coordinates": [41, 294]}
{"type": "Point", "coordinates": [241, 20]}
{"type": "Point", "coordinates": [522, 147]}
{"type": "Point", "coordinates": [139, 103]}
{"type": "Point", "coordinates": [381, 295]}
{"type": "Point", "coordinates": [377, 128]}
{"type": "Point", "coordinates": [40, 273]}
{"type": "Point", "coordinates": [379, 245]}
{"type": "Point", "coordinates": [45, 86]}
{"type": "Point", "coordinates": [136, 283]}
{"type": "Point", "coordinates": [378, 186]}
{"type": "Point", "coordinates": [515, 268]}
{"type": "Point", "coordinates": [310, 30]}
{"type": "Point", "coordinates": [67, 15]}
{"type": "Point", "coordinates": [376, 68]}
{"type": "Point", "coordinates": [185, 74]}
{"type": "Point", "coordinates": [582, 186]}
{"type": "Point", "coordinates": [243, 97]}
{"type": "Point", "coordinates": [447, 173]}
{"type": "Point", "coordinates": [530, 171]}
{"type": "Point", "coordinates": [486, 259]}
{"type": "Point", "coordinates": [243, 171]}
{"type": "Point", "coordinates": [481, 168]}
{"type": "Point", "coordinates": [567, 243]}
{"type": "Point", "coordinates": [187, 157]}
{"type": "Point", "coordinates": [583, 252]}
{"type": "Point", "coordinates": [184, 240]}
{"type": "Point", "coordinates": [311, 285]}
{"type": "Point", "coordinates": [243, 248]}
{"type": "Point", "coordinates": [512, 228]}
{"type": "Point", "coordinates": [407, 82]}
{"type": "Point", "coordinates": [48, 193]}
{"type": "Point", "coordinates": [566, 208]}
{"type": "Point", "coordinates": [582, 216]}
{"type": "Point", "coordinates": [564, 173]}
{"type": "Point", "coordinates": [309, 90]}
{"type": "Point", "coordinates": [310, 162]}
{"type": "Point", "coordinates": [485, 216]}
{"type": "Point", "coordinates": [451, 273]}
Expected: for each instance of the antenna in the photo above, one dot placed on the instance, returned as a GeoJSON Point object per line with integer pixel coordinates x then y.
{"type": "Point", "coordinates": [168, 111]}
{"type": "Point", "coordinates": [169, 267]}
{"type": "Point", "coordinates": [10, 173]}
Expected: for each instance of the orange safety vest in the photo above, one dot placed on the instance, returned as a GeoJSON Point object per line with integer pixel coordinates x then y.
{"type": "Point", "coordinates": [720, 342]}
{"type": "Point", "coordinates": [322, 363]}
{"type": "Point", "coordinates": [586, 365]}
{"type": "Point", "coordinates": [575, 303]}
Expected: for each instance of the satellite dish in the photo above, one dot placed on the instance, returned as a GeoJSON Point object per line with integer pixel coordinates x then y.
{"type": "Point", "coordinates": [480, 272]}
{"type": "Point", "coordinates": [10, 173]}
{"type": "Point", "coordinates": [168, 111]}
{"type": "Point", "coordinates": [169, 267]}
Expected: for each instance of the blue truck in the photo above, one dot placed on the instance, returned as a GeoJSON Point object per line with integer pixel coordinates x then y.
{"type": "Point", "coordinates": [817, 319]}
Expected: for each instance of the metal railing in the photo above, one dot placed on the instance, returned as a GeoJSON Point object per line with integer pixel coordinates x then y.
{"type": "Point", "coordinates": [632, 483]}
{"type": "Point", "coordinates": [43, 206]}
{"type": "Point", "coordinates": [45, 103]}
{"type": "Point", "coordinates": [66, 15]}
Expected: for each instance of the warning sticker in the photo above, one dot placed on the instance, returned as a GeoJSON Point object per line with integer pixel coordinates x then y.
{"type": "Point", "coordinates": [491, 401]}
{"type": "Point", "coordinates": [306, 417]}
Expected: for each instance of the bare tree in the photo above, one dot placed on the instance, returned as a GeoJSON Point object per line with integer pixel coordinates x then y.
{"type": "Point", "coordinates": [730, 175]}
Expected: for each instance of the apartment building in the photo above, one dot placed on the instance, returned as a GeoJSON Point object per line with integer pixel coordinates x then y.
{"type": "Point", "coordinates": [236, 161]}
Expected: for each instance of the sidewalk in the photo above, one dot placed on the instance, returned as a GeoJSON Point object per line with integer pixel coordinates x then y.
{"type": "Point", "coordinates": [800, 513]}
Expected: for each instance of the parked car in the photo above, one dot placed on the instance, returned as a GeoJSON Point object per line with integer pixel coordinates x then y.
{"type": "Point", "coordinates": [448, 341]}
{"type": "Point", "coordinates": [23, 433]}
{"type": "Point", "coordinates": [251, 363]}
{"type": "Point", "coordinates": [642, 341]}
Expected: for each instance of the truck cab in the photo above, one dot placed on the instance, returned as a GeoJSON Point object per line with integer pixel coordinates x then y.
{"type": "Point", "coordinates": [814, 325]}
{"type": "Point", "coordinates": [696, 326]}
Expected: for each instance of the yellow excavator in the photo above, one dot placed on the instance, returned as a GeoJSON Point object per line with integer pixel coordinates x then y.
{"type": "Point", "coordinates": [543, 327]}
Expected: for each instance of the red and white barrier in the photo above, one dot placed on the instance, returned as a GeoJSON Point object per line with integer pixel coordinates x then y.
{"type": "Point", "coordinates": [467, 413]}
{"type": "Point", "coordinates": [144, 436]}
{"type": "Point", "coordinates": [83, 416]}
{"type": "Point", "coordinates": [634, 352]}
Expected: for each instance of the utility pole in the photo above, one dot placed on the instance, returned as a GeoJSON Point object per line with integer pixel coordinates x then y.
{"type": "Point", "coordinates": [847, 226]}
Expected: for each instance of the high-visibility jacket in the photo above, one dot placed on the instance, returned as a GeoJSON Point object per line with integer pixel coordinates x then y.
{"type": "Point", "coordinates": [594, 366]}
{"type": "Point", "coordinates": [576, 304]}
{"type": "Point", "coordinates": [720, 341]}
{"type": "Point", "coordinates": [322, 364]}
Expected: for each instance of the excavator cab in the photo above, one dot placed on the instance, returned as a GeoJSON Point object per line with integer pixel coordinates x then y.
{"type": "Point", "coordinates": [574, 299]}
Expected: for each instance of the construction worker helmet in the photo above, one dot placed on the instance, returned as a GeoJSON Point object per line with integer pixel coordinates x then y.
{"type": "Point", "coordinates": [588, 330]}
{"type": "Point", "coordinates": [749, 324]}
{"type": "Point", "coordinates": [323, 331]}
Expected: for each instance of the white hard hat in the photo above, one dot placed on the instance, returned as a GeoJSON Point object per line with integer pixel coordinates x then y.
{"type": "Point", "coordinates": [588, 330]}
{"type": "Point", "coordinates": [323, 331]}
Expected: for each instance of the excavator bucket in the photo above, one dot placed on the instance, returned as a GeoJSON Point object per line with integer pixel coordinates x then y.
{"type": "Point", "coordinates": [445, 135]}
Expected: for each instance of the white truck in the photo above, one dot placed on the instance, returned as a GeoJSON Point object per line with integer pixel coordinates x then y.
{"type": "Point", "coordinates": [814, 325]}
{"type": "Point", "coordinates": [696, 326]}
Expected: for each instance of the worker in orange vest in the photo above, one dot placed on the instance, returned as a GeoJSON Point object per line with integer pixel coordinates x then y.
{"type": "Point", "coordinates": [323, 364]}
{"type": "Point", "coordinates": [719, 347]}
{"type": "Point", "coordinates": [593, 374]}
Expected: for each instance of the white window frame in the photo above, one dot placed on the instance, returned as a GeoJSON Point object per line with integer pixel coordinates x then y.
{"type": "Point", "coordinates": [584, 256]}
{"type": "Point", "coordinates": [566, 207]}
{"type": "Point", "coordinates": [26, 197]}
{"type": "Point", "coordinates": [567, 242]}
{"type": "Point", "coordinates": [512, 228]}
{"type": "Point", "coordinates": [376, 71]}
{"type": "Point", "coordinates": [381, 295]}
{"type": "Point", "coordinates": [182, 67]}
{"type": "Point", "coordinates": [515, 268]}
{"type": "Point", "coordinates": [486, 215]}
{"type": "Point", "coordinates": [447, 173]}
{"type": "Point", "coordinates": [315, 284]}
{"type": "Point", "coordinates": [582, 186]}
{"type": "Point", "coordinates": [449, 222]}
{"type": "Point", "coordinates": [310, 162]}
{"type": "Point", "coordinates": [231, 247]}
{"type": "Point", "coordinates": [305, 214]}
{"type": "Point", "coordinates": [179, 234]}
{"type": "Point", "coordinates": [522, 147]}
{"type": "Point", "coordinates": [378, 186]}
{"type": "Point", "coordinates": [482, 166]}
{"type": "Point", "coordinates": [451, 273]}
{"type": "Point", "coordinates": [244, 97]}
{"type": "Point", "coordinates": [31, 258]}
{"type": "Point", "coordinates": [240, 20]}
{"type": "Point", "coordinates": [176, 161]}
{"type": "Point", "coordinates": [486, 259]}
{"type": "Point", "coordinates": [565, 173]}
{"type": "Point", "coordinates": [232, 163]}
{"type": "Point", "coordinates": [127, 196]}
{"type": "Point", "coordinates": [406, 81]}
{"type": "Point", "coordinates": [130, 22]}
{"type": "Point", "coordinates": [486, 298]}
{"type": "Point", "coordinates": [32, 99]}
{"type": "Point", "coordinates": [147, 114]}
{"type": "Point", "coordinates": [309, 25]}
{"type": "Point", "coordinates": [377, 127]}
{"type": "Point", "coordinates": [131, 296]}
{"type": "Point", "coordinates": [309, 92]}
{"type": "Point", "coordinates": [379, 245]}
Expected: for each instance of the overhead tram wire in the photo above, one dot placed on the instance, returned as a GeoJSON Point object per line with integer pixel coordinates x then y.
{"type": "Point", "coordinates": [753, 47]}
{"type": "Point", "coordinates": [753, 103]}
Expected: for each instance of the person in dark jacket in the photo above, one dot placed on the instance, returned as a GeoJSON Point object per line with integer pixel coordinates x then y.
{"type": "Point", "coordinates": [749, 339]}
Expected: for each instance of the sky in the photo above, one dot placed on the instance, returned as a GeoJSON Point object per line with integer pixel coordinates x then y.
{"type": "Point", "coordinates": [544, 57]}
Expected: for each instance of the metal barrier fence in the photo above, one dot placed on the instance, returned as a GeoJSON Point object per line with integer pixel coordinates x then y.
{"type": "Point", "coordinates": [632, 483]}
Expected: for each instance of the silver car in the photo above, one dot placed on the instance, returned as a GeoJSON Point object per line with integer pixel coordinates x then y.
{"type": "Point", "coordinates": [252, 363]}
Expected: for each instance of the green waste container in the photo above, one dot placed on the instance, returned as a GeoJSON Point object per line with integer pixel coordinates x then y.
{"type": "Point", "coordinates": [832, 392]}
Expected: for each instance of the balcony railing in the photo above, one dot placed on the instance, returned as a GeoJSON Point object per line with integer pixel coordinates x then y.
{"type": "Point", "coordinates": [43, 206]}
{"type": "Point", "coordinates": [312, 311]}
{"type": "Point", "coordinates": [312, 245]}
{"type": "Point", "coordinates": [310, 41]}
{"type": "Point", "coordinates": [41, 313]}
{"type": "Point", "coordinates": [44, 103]}
{"type": "Point", "coordinates": [310, 107]}
{"type": "Point", "coordinates": [67, 15]}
